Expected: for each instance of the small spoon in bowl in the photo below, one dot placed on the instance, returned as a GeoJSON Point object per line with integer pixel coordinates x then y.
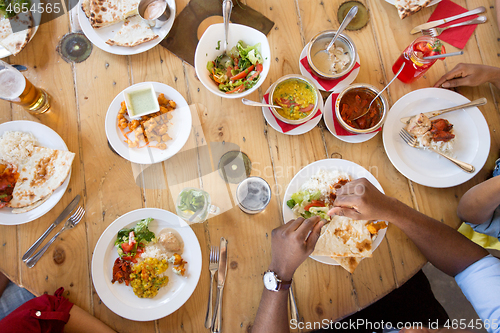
{"type": "Point", "coordinates": [227, 7]}
{"type": "Point", "coordinates": [348, 18]}
{"type": "Point", "coordinates": [381, 91]}
{"type": "Point", "coordinates": [253, 103]}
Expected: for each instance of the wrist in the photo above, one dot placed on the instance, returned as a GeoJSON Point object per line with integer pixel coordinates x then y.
{"type": "Point", "coordinates": [282, 273]}
{"type": "Point", "coordinates": [495, 77]}
{"type": "Point", "coordinates": [395, 212]}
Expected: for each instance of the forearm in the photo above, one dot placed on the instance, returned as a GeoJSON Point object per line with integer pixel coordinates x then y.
{"type": "Point", "coordinates": [479, 203]}
{"type": "Point", "coordinates": [443, 246]}
{"type": "Point", "coordinates": [494, 72]}
{"type": "Point", "coordinates": [272, 315]}
{"type": "Point", "coordinates": [80, 321]}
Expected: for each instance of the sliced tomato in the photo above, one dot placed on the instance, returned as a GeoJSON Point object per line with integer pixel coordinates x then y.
{"type": "Point", "coordinates": [314, 203]}
{"type": "Point", "coordinates": [126, 247]}
{"type": "Point", "coordinates": [228, 71]}
{"type": "Point", "coordinates": [127, 258]}
{"type": "Point", "coordinates": [307, 109]}
{"type": "Point", "coordinates": [259, 67]}
{"type": "Point", "coordinates": [253, 76]}
{"type": "Point", "coordinates": [237, 89]}
{"type": "Point", "coordinates": [242, 74]}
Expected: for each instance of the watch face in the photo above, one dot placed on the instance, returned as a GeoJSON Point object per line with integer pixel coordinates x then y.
{"type": "Point", "coordinates": [270, 281]}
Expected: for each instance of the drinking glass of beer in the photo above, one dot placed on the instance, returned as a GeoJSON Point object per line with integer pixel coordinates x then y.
{"type": "Point", "coordinates": [17, 89]}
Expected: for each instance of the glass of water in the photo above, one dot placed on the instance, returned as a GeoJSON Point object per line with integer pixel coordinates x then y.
{"type": "Point", "coordinates": [253, 195]}
{"type": "Point", "coordinates": [194, 205]}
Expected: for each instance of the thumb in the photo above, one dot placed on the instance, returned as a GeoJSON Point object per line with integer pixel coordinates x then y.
{"type": "Point", "coordinates": [314, 235]}
{"type": "Point", "coordinates": [344, 211]}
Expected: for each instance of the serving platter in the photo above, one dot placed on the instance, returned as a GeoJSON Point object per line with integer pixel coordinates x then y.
{"type": "Point", "coordinates": [46, 137]}
{"type": "Point", "coordinates": [98, 37]}
{"type": "Point", "coordinates": [472, 141]}
{"type": "Point", "coordinates": [354, 170]}
{"type": "Point", "coordinates": [120, 298]}
{"type": "Point", "coordinates": [179, 131]}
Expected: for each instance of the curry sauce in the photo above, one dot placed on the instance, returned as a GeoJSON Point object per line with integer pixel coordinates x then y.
{"type": "Point", "coordinates": [296, 97]}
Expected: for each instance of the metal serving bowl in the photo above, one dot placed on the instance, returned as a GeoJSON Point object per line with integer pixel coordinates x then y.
{"type": "Point", "coordinates": [324, 38]}
{"type": "Point", "coordinates": [290, 77]}
{"type": "Point", "coordinates": [362, 87]}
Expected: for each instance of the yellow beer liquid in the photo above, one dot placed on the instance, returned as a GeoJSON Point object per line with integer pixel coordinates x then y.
{"type": "Point", "coordinates": [34, 99]}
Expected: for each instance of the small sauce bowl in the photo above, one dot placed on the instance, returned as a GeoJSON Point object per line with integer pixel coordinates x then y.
{"type": "Point", "coordinates": [319, 42]}
{"type": "Point", "coordinates": [294, 77]}
{"type": "Point", "coordinates": [381, 102]}
{"type": "Point", "coordinates": [157, 14]}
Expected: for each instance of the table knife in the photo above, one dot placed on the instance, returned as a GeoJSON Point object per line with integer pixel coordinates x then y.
{"type": "Point", "coordinates": [221, 279]}
{"type": "Point", "coordinates": [477, 102]}
{"type": "Point", "coordinates": [434, 24]}
{"type": "Point", "coordinates": [60, 218]}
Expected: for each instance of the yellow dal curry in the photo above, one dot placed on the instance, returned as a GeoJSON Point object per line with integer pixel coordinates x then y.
{"type": "Point", "coordinates": [146, 277]}
{"type": "Point", "coordinates": [296, 97]}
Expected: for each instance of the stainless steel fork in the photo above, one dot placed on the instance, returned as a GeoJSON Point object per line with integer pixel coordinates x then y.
{"type": "Point", "coordinates": [214, 265]}
{"type": "Point", "coordinates": [72, 221]}
{"type": "Point", "coordinates": [412, 141]}
{"type": "Point", "coordinates": [434, 32]}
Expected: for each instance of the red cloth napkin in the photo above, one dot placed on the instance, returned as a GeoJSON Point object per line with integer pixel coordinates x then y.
{"type": "Point", "coordinates": [288, 127]}
{"type": "Point", "coordinates": [459, 36]}
{"type": "Point", "coordinates": [326, 84]}
{"type": "Point", "coordinates": [338, 128]}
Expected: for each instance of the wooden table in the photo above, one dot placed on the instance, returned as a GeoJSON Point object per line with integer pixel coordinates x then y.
{"type": "Point", "coordinates": [82, 93]}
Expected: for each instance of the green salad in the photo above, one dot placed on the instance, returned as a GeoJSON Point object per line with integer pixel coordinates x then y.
{"type": "Point", "coordinates": [307, 204]}
{"type": "Point", "coordinates": [130, 243]}
{"type": "Point", "coordinates": [10, 8]}
{"type": "Point", "coordinates": [239, 70]}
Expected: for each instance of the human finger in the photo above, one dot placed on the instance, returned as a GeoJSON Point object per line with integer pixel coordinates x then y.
{"type": "Point", "coordinates": [294, 224]}
{"type": "Point", "coordinates": [344, 211]}
{"type": "Point", "coordinates": [314, 235]}
{"type": "Point", "coordinates": [305, 228]}
{"type": "Point", "coordinates": [464, 81]}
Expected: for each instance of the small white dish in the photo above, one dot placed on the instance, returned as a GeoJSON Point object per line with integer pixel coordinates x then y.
{"type": "Point", "coordinates": [149, 93]}
{"type": "Point", "coordinates": [46, 137]}
{"type": "Point", "coordinates": [341, 85]}
{"type": "Point", "coordinates": [328, 115]}
{"type": "Point", "coordinates": [301, 129]}
{"type": "Point", "coordinates": [179, 131]}
{"type": "Point", "coordinates": [207, 51]}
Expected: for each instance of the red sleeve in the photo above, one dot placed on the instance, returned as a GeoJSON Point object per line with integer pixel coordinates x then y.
{"type": "Point", "coordinates": [44, 314]}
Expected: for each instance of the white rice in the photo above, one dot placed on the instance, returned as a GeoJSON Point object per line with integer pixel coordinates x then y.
{"type": "Point", "coordinates": [323, 181]}
{"type": "Point", "coordinates": [16, 147]}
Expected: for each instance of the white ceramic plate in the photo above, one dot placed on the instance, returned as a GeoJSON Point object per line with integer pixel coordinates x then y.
{"type": "Point", "coordinates": [472, 141]}
{"type": "Point", "coordinates": [302, 129]}
{"type": "Point", "coordinates": [206, 51]}
{"type": "Point", "coordinates": [98, 37]}
{"type": "Point", "coordinates": [120, 298]}
{"type": "Point", "coordinates": [37, 18]}
{"type": "Point", "coordinates": [340, 86]}
{"type": "Point", "coordinates": [328, 115]}
{"type": "Point", "coordinates": [432, 3]}
{"type": "Point", "coordinates": [354, 170]}
{"type": "Point", "coordinates": [48, 138]}
{"type": "Point", "coordinates": [179, 131]}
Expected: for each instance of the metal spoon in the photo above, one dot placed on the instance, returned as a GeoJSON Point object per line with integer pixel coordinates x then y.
{"type": "Point", "coordinates": [227, 7]}
{"type": "Point", "coordinates": [252, 103]}
{"type": "Point", "coordinates": [348, 18]}
{"type": "Point", "coordinates": [388, 84]}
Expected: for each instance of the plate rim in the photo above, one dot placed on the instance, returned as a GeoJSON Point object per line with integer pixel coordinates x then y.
{"type": "Point", "coordinates": [61, 190]}
{"type": "Point", "coordinates": [110, 119]}
{"type": "Point", "coordinates": [122, 50]}
{"type": "Point", "coordinates": [370, 177]}
{"type": "Point", "coordinates": [481, 155]}
{"type": "Point", "coordinates": [99, 261]}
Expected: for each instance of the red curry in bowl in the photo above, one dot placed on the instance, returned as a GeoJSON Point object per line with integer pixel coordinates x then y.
{"type": "Point", "coordinates": [354, 103]}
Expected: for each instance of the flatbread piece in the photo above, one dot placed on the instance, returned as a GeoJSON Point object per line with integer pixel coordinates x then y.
{"type": "Point", "coordinates": [134, 31]}
{"type": "Point", "coordinates": [105, 12]}
{"type": "Point", "coordinates": [30, 207]}
{"type": "Point", "coordinates": [409, 7]}
{"type": "Point", "coordinates": [20, 31]}
{"type": "Point", "coordinates": [41, 175]}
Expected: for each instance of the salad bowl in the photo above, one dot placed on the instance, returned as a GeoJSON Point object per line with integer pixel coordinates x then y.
{"type": "Point", "coordinates": [209, 48]}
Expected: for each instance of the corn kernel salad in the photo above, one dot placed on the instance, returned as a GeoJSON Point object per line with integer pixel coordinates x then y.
{"type": "Point", "coordinates": [143, 259]}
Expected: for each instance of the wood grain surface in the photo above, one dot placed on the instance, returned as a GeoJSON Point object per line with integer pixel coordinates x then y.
{"type": "Point", "coordinates": [111, 186]}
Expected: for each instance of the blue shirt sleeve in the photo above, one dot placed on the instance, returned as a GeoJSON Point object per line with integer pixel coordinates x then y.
{"type": "Point", "coordinates": [491, 227]}
{"type": "Point", "coordinates": [480, 283]}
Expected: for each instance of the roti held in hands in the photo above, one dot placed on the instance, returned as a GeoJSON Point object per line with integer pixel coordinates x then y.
{"type": "Point", "coordinates": [41, 175]}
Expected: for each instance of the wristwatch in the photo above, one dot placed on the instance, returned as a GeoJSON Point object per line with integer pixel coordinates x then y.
{"type": "Point", "coordinates": [273, 283]}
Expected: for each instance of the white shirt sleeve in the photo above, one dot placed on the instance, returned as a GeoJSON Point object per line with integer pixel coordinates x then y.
{"type": "Point", "coordinates": [480, 283]}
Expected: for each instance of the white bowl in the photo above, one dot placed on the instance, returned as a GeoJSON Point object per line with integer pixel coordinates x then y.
{"type": "Point", "coordinates": [206, 51]}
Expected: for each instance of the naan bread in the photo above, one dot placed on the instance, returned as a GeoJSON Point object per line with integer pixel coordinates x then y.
{"type": "Point", "coordinates": [41, 175]}
{"type": "Point", "coordinates": [409, 7]}
{"type": "Point", "coordinates": [129, 8]}
{"type": "Point", "coordinates": [349, 263]}
{"type": "Point", "coordinates": [86, 7]}
{"type": "Point", "coordinates": [30, 207]}
{"type": "Point", "coordinates": [20, 30]}
{"type": "Point", "coordinates": [134, 31]}
{"type": "Point", "coordinates": [344, 237]}
{"type": "Point", "coordinates": [105, 12]}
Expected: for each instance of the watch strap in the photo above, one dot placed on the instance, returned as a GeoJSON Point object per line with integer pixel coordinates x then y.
{"type": "Point", "coordinates": [284, 285]}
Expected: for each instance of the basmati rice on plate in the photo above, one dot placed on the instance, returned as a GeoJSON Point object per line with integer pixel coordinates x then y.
{"type": "Point", "coordinates": [323, 180]}
{"type": "Point", "coordinates": [16, 147]}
